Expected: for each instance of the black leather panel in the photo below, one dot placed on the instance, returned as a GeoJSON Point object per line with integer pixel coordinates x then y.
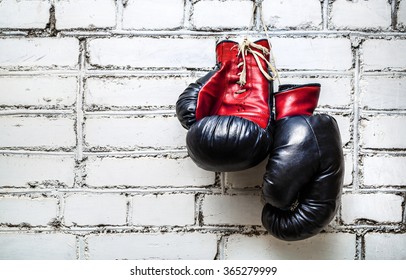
{"type": "Point", "coordinates": [187, 101]}
{"type": "Point", "coordinates": [227, 143]}
{"type": "Point", "coordinates": [304, 177]}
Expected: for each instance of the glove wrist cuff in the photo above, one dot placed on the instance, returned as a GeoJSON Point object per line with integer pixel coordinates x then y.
{"type": "Point", "coordinates": [294, 100]}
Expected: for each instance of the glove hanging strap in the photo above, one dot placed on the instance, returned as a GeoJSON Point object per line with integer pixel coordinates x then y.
{"type": "Point", "coordinates": [246, 47]}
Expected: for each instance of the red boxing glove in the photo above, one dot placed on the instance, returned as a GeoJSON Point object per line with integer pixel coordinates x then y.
{"type": "Point", "coordinates": [228, 111]}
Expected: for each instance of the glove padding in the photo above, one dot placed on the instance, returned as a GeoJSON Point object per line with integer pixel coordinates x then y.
{"type": "Point", "coordinates": [228, 131]}
{"type": "Point", "coordinates": [304, 175]}
{"type": "Point", "coordinates": [227, 143]}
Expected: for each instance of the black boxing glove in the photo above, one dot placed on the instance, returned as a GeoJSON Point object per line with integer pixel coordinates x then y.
{"type": "Point", "coordinates": [304, 175]}
{"type": "Point", "coordinates": [228, 111]}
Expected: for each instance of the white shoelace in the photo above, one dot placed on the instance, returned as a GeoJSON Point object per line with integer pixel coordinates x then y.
{"type": "Point", "coordinates": [247, 47]}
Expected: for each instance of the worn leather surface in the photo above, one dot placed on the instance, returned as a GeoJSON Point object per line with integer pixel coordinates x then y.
{"type": "Point", "coordinates": [187, 101]}
{"type": "Point", "coordinates": [293, 100]}
{"type": "Point", "coordinates": [228, 131]}
{"type": "Point", "coordinates": [227, 143]}
{"type": "Point", "coordinates": [219, 96]}
{"type": "Point", "coordinates": [304, 174]}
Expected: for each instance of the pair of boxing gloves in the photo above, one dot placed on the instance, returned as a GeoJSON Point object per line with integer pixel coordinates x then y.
{"type": "Point", "coordinates": [231, 127]}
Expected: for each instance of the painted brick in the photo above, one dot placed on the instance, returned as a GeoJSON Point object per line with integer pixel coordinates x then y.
{"type": "Point", "coordinates": [158, 14]}
{"type": "Point", "coordinates": [292, 13]}
{"type": "Point", "coordinates": [157, 53]}
{"type": "Point", "coordinates": [335, 92]}
{"type": "Point", "coordinates": [142, 132]}
{"type": "Point", "coordinates": [384, 132]}
{"type": "Point", "coordinates": [376, 207]}
{"type": "Point", "coordinates": [222, 14]}
{"type": "Point", "coordinates": [383, 93]}
{"type": "Point", "coordinates": [33, 211]}
{"type": "Point", "coordinates": [348, 168]}
{"type": "Point", "coordinates": [361, 14]}
{"type": "Point", "coordinates": [19, 131]}
{"type": "Point", "coordinates": [41, 91]}
{"type": "Point", "coordinates": [23, 170]}
{"type": "Point", "coordinates": [232, 210]}
{"type": "Point", "coordinates": [95, 209]}
{"type": "Point", "coordinates": [401, 16]}
{"type": "Point", "coordinates": [312, 54]}
{"type": "Point", "coordinates": [39, 246]}
{"type": "Point", "coordinates": [146, 172]}
{"type": "Point", "coordinates": [172, 246]}
{"type": "Point", "coordinates": [385, 246]}
{"type": "Point", "coordinates": [84, 14]}
{"type": "Point", "coordinates": [51, 52]}
{"type": "Point", "coordinates": [338, 246]}
{"type": "Point", "coordinates": [19, 14]}
{"type": "Point", "coordinates": [152, 52]}
{"type": "Point", "coordinates": [248, 178]}
{"type": "Point", "coordinates": [344, 125]}
{"type": "Point", "coordinates": [384, 54]}
{"type": "Point", "coordinates": [381, 170]}
{"type": "Point", "coordinates": [134, 92]}
{"type": "Point", "coordinates": [163, 210]}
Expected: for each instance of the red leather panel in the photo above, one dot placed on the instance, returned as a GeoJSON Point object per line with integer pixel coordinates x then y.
{"type": "Point", "coordinates": [296, 101]}
{"type": "Point", "coordinates": [220, 95]}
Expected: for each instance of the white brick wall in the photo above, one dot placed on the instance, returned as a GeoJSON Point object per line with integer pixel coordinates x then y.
{"type": "Point", "coordinates": [38, 246]}
{"type": "Point", "coordinates": [32, 211]}
{"type": "Point", "coordinates": [361, 14]}
{"type": "Point", "coordinates": [387, 207]}
{"type": "Point", "coordinates": [95, 209]}
{"type": "Point", "coordinates": [344, 124]}
{"type": "Point", "coordinates": [38, 91]}
{"type": "Point", "coordinates": [292, 14]}
{"type": "Point", "coordinates": [36, 170]}
{"type": "Point", "coordinates": [138, 172]}
{"type": "Point", "coordinates": [189, 246]}
{"type": "Point", "coordinates": [138, 132]}
{"type": "Point", "coordinates": [135, 92]}
{"type": "Point", "coordinates": [384, 132]}
{"type": "Point", "coordinates": [16, 128]}
{"type": "Point", "coordinates": [151, 52]}
{"type": "Point", "coordinates": [381, 246]}
{"type": "Point", "coordinates": [348, 168]}
{"type": "Point", "coordinates": [158, 14]}
{"type": "Point", "coordinates": [93, 162]}
{"type": "Point", "coordinates": [320, 247]}
{"type": "Point", "coordinates": [50, 52]}
{"type": "Point", "coordinates": [19, 14]}
{"type": "Point", "coordinates": [384, 54]}
{"type": "Point", "coordinates": [383, 93]}
{"type": "Point", "coordinates": [232, 210]}
{"type": "Point", "coordinates": [312, 54]}
{"type": "Point", "coordinates": [85, 14]}
{"type": "Point", "coordinates": [222, 14]}
{"type": "Point", "coordinates": [402, 14]}
{"type": "Point", "coordinates": [163, 210]}
{"type": "Point", "coordinates": [381, 170]}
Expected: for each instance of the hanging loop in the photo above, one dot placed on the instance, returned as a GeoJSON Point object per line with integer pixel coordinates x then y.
{"type": "Point", "coordinates": [257, 10]}
{"type": "Point", "coordinates": [258, 2]}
